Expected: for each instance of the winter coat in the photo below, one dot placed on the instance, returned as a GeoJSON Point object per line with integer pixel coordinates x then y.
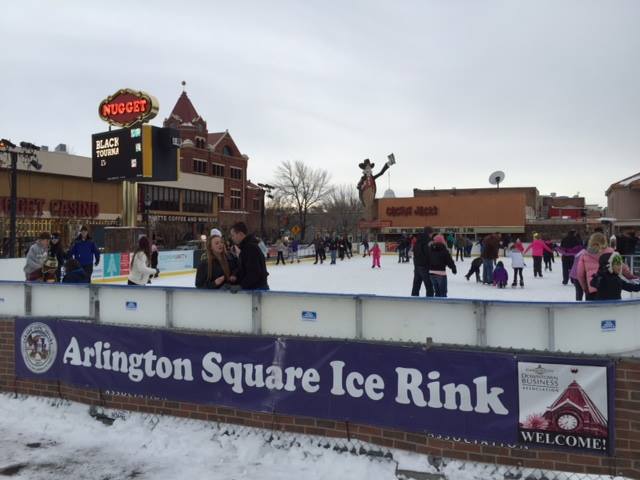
{"type": "Point", "coordinates": [84, 251]}
{"type": "Point", "coordinates": [76, 276]}
{"type": "Point", "coordinates": [573, 273]}
{"type": "Point", "coordinates": [588, 265]}
{"type": "Point", "coordinates": [294, 245]}
{"type": "Point", "coordinates": [461, 242]}
{"type": "Point", "coordinates": [570, 245]}
{"type": "Point", "coordinates": [538, 247]}
{"type": "Point", "coordinates": [549, 253]}
{"type": "Point", "coordinates": [376, 252]}
{"type": "Point", "coordinates": [519, 246]}
{"type": "Point", "coordinates": [252, 270]}
{"type": "Point", "coordinates": [440, 259]}
{"type": "Point", "coordinates": [36, 256]}
{"type": "Point", "coordinates": [491, 247]}
{"type": "Point", "coordinates": [281, 246]}
{"type": "Point", "coordinates": [500, 275]}
{"type": "Point", "coordinates": [517, 259]}
{"type": "Point", "coordinates": [609, 285]}
{"type": "Point", "coordinates": [420, 251]}
{"type": "Point", "coordinates": [203, 269]}
{"type": "Point", "coordinates": [333, 245]}
{"type": "Point", "coordinates": [140, 269]}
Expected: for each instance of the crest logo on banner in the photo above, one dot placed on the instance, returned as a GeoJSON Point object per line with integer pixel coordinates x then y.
{"type": "Point", "coordinates": [39, 347]}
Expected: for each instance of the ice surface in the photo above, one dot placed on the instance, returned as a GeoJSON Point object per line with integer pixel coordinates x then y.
{"type": "Point", "coordinates": [395, 279]}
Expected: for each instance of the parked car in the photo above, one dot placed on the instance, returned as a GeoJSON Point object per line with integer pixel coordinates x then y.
{"type": "Point", "coordinates": [191, 245]}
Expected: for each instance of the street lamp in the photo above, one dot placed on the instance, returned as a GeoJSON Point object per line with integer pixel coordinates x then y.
{"type": "Point", "coordinates": [147, 205]}
{"type": "Point", "coordinates": [267, 189]}
{"type": "Point", "coordinates": [29, 156]}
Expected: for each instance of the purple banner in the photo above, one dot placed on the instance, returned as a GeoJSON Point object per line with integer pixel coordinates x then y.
{"type": "Point", "coordinates": [470, 395]}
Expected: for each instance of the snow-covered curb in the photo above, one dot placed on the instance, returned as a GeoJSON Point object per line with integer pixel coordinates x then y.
{"type": "Point", "coordinates": [53, 439]}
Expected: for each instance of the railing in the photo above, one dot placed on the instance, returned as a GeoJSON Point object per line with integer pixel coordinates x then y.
{"type": "Point", "coordinates": [611, 327]}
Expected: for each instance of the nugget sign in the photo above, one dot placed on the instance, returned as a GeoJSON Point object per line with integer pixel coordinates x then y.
{"type": "Point", "coordinates": [126, 108]}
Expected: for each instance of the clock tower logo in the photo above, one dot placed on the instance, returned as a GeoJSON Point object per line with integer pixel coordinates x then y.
{"type": "Point", "coordinates": [564, 406]}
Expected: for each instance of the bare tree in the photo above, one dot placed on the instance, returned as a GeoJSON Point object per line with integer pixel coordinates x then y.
{"type": "Point", "coordinates": [303, 187]}
{"type": "Point", "coordinates": [343, 208]}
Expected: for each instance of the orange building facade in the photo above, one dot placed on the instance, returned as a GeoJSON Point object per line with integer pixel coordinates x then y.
{"type": "Point", "coordinates": [467, 211]}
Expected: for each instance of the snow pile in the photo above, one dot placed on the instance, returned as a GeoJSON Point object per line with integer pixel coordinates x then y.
{"type": "Point", "coordinates": [55, 439]}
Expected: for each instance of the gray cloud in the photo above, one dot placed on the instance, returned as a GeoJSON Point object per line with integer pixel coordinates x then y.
{"type": "Point", "coordinates": [545, 90]}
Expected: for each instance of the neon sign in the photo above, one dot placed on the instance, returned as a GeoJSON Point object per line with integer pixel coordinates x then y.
{"type": "Point", "coordinates": [128, 107]}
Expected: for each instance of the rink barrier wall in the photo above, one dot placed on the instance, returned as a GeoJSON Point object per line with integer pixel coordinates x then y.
{"type": "Point", "coordinates": [603, 328]}
{"type": "Point", "coordinates": [624, 462]}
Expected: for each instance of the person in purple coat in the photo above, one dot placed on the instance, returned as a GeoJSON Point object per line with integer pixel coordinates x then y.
{"type": "Point", "coordinates": [500, 275]}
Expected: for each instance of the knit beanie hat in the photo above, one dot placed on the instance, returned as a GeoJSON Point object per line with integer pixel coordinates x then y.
{"type": "Point", "coordinates": [215, 232]}
{"type": "Point", "coordinates": [608, 260]}
{"type": "Point", "coordinates": [439, 239]}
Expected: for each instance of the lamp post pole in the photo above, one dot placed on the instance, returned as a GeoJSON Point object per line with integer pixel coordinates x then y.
{"type": "Point", "coordinates": [13, 203]}
{"type": "Point", "coordinates": [147, 206]}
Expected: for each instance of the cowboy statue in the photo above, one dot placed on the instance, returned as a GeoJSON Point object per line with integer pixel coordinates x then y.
{"type": "Point", "coordinates": [367, 185]}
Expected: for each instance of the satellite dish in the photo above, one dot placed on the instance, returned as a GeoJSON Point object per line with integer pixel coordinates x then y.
{"type": "Point", "coordinates": [496, 178]}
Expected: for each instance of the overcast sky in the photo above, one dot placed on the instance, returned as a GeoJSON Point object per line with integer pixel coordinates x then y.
{"type": "Point", "coordinates": [548, 91]}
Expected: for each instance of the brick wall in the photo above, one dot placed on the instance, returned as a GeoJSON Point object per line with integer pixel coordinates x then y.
{"type": "Point", "coordinates": [626, 461]}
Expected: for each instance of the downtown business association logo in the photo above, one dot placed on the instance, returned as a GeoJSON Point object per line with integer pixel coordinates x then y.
{"type": "Point", "coordinates": [38, 346]}
{"type": "Point", "coordinates": [564, 406]}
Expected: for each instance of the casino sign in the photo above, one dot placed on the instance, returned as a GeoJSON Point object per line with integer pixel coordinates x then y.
{"type": "Point", "coordinates": [127, 107]}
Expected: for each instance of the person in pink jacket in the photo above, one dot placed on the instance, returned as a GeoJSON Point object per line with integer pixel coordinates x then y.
{"type": "Point", "coordinates": [537, 247]}
{"type": "Point", "coordinates": [589, 262]}
{"type": "Point", "coordinates": [376, 253]}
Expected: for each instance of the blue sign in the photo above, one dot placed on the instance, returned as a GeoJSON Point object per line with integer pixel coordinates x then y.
{"type": "Point", "coordinates": [131, 305]}
{"type": "Point", "coordinates": [467, 394]}
{"type": "Point", "coordinates": [608, 325]}
{"type": "Point", "coordinates": [309, 316]}
{"type": "Point", "coordinates": [111, 265]}
{"type": "Point", "coordinates": [174, 260]}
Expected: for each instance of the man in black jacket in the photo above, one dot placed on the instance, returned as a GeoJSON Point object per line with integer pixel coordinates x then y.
{"type": "Point", "coordinates": [421, 264]}
{"type": "Point", "coordinates": [252, 274]}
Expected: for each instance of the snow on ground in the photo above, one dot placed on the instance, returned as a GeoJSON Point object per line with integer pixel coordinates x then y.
{"type": "Point", "coordinates": [53, 439]}
{"type": "Point", "coordinates": [395, 279]}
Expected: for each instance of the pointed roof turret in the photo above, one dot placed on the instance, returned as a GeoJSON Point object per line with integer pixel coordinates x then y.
{"type": "Point", "coordinates": [184, 112]}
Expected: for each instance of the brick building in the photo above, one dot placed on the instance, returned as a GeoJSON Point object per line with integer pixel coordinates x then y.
{"type": "Point", "coordinates": [215, 154]}
{"type": "Point", "coordinates": [623, 202]}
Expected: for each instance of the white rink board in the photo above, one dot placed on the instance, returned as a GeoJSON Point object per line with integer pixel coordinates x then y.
{"type": "Point", "coordinates": [150, 306]}
{"type": "Point", "coordinates": [415, 320]}
{"type": "Point", "coordinates": [282, 314]}
{"type": "Point", "coordinates": [212, 310]}
{"type": "Point", "coordinates": [12, 299]}
{"type": "Point", "coordinates": [580, 329]}
{"type": "Point", "coordinates": [60, 300]}
{"type": "Point", "coordinates": [517, 326]}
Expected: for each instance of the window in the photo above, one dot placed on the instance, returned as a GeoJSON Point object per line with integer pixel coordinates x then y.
{"type": "Point", "coordinates": [227, 151]}
{"type": "Point", "coordinates": [199, 166]}
{"type": "Point", "coordinates": [162, 198]}
{"type": "Point", "coordinates": [236, 199]}
{"type": "Point", "coordinates": [236, 173]}
{"type": "Point", "coordinates": [217, 170]}
{"type": "Point", "coordinates": [220, 202]}
{"type": "Point", "coordinates": [256, 204]}
{"type": "Point", "coordinates": [195, 201]}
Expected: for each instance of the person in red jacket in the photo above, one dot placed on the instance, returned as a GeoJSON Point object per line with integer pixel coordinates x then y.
{"type": "Point", "coordinates": [376, 253]}
{"type": "Point", "coordinates": [537, 247]}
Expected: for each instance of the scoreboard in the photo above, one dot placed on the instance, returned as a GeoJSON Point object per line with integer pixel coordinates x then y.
{"type": "Point", "coordinates": [141, 153]}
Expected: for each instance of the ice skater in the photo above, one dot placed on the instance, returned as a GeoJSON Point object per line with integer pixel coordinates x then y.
{"type": "Point", "coordinates": [376, 253]}
{"type": "Point", "coordinates": [500, 275]}
{"type": "Point", "coordinates": [517, 263]}
{"type": "Point", "coordinates": [476, 263]}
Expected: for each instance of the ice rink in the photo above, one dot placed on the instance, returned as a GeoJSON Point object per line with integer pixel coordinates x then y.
{"type": "Point", "coordinates": [395, 279]}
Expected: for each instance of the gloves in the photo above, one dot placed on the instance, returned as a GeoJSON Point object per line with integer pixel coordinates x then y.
{"type": "Point", "coordinates": [157, 272]}
{"type": "Point", "coordinates": [97, 262]}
